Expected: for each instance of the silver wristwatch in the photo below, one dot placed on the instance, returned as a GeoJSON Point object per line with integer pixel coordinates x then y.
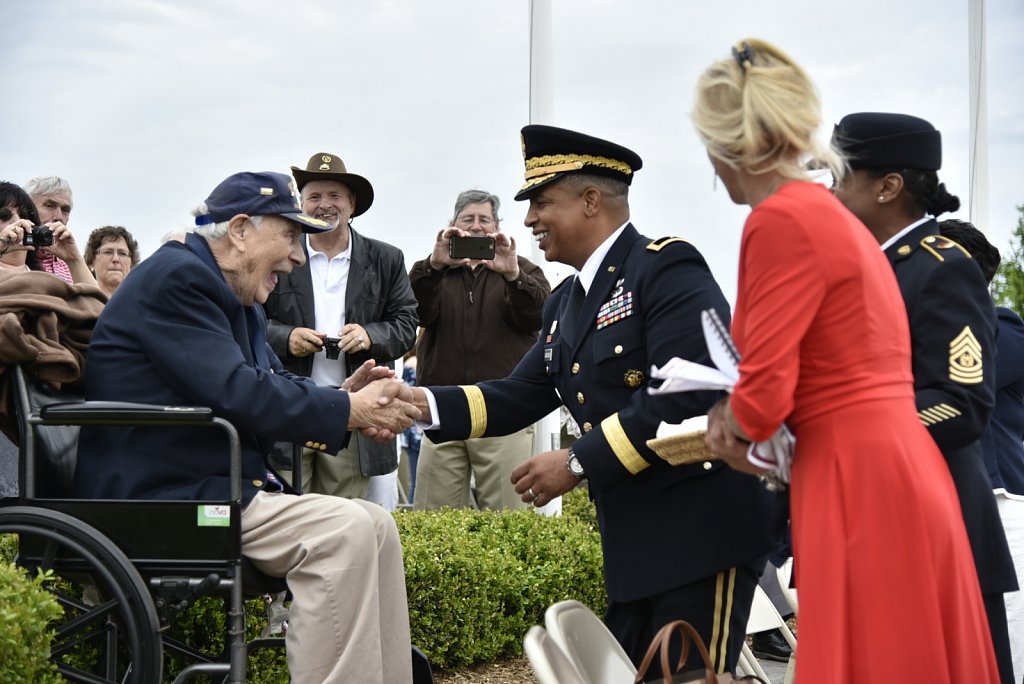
{"type": "Point", "coordinates": [574, 465]}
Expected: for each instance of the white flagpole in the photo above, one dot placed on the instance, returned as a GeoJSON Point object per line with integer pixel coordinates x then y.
{"type": "Point", "coordinates": [978, 159]}
{"type": "Point", "coordinates": [542, 107]}
{"type": "Point", "coordinates": [542, 111]}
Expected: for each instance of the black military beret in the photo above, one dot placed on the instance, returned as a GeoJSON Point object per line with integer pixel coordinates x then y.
{"type": "Point", "coordinates": [551, 152]}
{"type": "Point", "coordinates": [876, 140]}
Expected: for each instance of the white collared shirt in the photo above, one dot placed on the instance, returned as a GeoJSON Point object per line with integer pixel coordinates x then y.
{"type": "Point", "coordinates": [895, 238]}
{"type": "Point", "coordinates": [330, 282]}
{"type": "Point", "coordinates": [588, 273]}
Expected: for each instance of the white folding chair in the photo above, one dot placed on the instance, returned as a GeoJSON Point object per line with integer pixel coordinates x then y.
{"type": "Point", "coordinates": [764, 617]}
{"type": "Point", "coordinates": [785, 571]}
{"type": "Point", "coordinates": [548, 661]}
{"type": "Point", "coordinates": [588, 643]}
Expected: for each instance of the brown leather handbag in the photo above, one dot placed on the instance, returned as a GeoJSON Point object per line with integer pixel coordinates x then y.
{"type": "Point", "coordinates": [660, 646]}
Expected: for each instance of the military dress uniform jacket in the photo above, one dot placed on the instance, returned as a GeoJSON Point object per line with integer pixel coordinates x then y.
{"type": "Point", "coordinates": [177, 335]}
{"type": "Point", "coordinates": [661, 526]}
{"type": "Point", "coordinates": [952, 334]}
{"type": "Point", "coordinates": [378, 297]}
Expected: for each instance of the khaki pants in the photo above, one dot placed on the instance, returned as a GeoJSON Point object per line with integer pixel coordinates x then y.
{"type": "Point", "coordinates": [349, 619]}
{"type": "Point", "coordinates": [443, 472]}
{"type": "Point", "coordinates": [333, 474]}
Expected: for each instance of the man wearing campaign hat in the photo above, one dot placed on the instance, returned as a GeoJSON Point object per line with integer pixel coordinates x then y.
{"type": "Point", "coordinates": [672, 550]}
{"type": "Point", "coordinates": [187, 329]}
{"type": "Point", "coordinates": [893, 188]}
{"type": "Point", "coordinates": [354, 292]}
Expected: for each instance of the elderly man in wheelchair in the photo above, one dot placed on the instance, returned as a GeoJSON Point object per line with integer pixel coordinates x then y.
{"type": "Point", "coordinates": [187, 330]}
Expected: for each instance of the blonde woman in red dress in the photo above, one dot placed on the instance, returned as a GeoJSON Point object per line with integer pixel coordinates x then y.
{"type": "Point", "coordinates": [888, 590]}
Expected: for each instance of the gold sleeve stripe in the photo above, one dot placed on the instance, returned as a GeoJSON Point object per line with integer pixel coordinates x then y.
{"type": "Point", "coordinates": [721, 618]}
{"type": "Point", "coordinates": [937, 414]}
{"type": "Point", "coordinates": [477, 410]}
{"type": "Point", "coordinates": [621, 446]}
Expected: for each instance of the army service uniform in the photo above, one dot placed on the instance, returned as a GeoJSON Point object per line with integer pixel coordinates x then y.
{"type": "Point", "coordinates": [662, 527]}
{"type": "Point", "coordinates": [952, 333]}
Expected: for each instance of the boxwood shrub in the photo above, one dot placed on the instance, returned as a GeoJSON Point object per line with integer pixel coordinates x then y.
{"type": "Point", "coordinates": [26, 609]}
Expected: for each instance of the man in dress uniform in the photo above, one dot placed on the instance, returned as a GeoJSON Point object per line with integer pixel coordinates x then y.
{"type": "Point", "coordinates": [679, 542]}
{"type": "Point", "coordinates": [894, 189]}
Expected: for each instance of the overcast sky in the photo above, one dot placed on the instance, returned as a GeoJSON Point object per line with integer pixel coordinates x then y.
{"type": "Point", "coordinates": [145, 106]}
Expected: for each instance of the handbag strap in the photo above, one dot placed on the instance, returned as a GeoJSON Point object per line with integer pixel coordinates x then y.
{"type": "Point", "coordinates": [660, 646]}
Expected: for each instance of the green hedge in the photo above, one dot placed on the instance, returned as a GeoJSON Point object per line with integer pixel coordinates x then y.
{"type": "Point", "coordinates": [26, 608]}
{"type": "Point", "coordinates": [478, 580]}
{"type": "Point", "coordinates": [476, 583]}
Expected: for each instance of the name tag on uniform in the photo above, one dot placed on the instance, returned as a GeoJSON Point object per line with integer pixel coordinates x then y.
{"type": "Point", "coordinates": [615, 309]}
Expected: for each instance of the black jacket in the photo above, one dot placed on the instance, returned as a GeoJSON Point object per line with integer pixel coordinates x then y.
{"type": "Point", "coordinates": [378, 297]}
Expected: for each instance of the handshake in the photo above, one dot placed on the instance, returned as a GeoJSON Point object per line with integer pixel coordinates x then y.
{"type": "Point", "coordinates": [380, 405]}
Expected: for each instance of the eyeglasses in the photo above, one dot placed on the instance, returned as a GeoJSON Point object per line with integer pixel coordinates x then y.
{"type": "Point", "coordinates": [469, 221]}
{"type": "Point", "coordinates": [111, 252]}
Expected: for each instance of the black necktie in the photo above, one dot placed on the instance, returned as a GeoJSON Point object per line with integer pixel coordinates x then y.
{"type": "Point", "coordinates": [570, 317]}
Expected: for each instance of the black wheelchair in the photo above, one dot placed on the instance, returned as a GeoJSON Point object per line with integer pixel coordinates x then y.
{"type": "Point", "coordinates": [125, 569]}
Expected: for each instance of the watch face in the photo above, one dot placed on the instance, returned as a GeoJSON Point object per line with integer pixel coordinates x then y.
{"type": "Point", "coordinates": [575, 467]}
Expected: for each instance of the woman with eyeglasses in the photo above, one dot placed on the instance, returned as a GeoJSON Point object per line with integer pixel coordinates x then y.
{"type": "Point", "coordinates": [111, 253]}
{"type": "Point", "coordinates": [888, 589]}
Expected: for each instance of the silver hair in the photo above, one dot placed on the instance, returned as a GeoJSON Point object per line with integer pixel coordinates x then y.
{"type": "Point", "coordinates": [47, 185]}
{"type": "Point", "coordinates": [178, 235]}
{"type": "Point", "coordinates": [476, 197]}
{"type": "Point", "coordinates": [216, 231]}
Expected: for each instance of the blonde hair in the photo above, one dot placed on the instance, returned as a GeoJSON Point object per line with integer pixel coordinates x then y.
{"type": "Point", "coordinates": [758, 110]}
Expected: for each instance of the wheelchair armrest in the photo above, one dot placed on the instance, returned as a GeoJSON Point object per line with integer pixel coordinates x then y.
{"type": "Point", "coordinates": [103, 411]}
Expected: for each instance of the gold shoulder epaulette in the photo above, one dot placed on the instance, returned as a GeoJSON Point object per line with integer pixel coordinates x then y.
{"type": "Point", "coordinates": [660, 243]}
{"type": "Point", "coordinates": [933, 243]}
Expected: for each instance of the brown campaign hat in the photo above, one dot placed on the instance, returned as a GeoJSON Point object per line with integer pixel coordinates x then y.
{"type": "Point", "coordinates": [327, 166]}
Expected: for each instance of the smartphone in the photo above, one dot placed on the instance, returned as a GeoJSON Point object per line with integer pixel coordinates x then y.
{"type": "Point", "coordinates": [471, 247]}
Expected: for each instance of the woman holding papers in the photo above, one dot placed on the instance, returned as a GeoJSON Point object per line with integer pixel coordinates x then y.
{"type": "Point", "coordinates": [888, 589]}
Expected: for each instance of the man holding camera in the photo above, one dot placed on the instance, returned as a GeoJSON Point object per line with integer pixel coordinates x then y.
{"type": "Point", "coordinates": [479, 317]}
{"type": "Point", "coordinates": [352, 299]}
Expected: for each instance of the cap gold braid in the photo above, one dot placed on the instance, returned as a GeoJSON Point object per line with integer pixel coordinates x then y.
{"type": "Point", "coordinates": [558, 163]}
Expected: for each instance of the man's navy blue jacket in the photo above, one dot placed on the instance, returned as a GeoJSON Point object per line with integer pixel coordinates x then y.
{"type": "Point", "coordinates": [175, 334]}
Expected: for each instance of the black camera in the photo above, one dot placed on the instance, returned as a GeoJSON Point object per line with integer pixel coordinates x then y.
{"type": "Point", "coordinates": [39, 236]}
{"type": "Point", "coordinates": [332, 347]}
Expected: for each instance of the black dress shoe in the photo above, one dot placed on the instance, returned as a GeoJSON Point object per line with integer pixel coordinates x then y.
{"type": "Point", "coordinates": [771, 646]}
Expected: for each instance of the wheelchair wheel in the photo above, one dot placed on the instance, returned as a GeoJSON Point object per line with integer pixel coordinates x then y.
{"type": "Point", "coordinates": [109, 632]}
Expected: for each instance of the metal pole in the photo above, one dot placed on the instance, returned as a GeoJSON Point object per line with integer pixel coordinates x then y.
{"type": "Point", "coordinates": [978, 156]}
{"type": "Point", "coordinates": [542, 111]}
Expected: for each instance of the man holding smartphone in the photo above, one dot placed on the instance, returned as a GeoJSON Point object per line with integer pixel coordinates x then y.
{"type": "Point", "coordinates": [480, 307]}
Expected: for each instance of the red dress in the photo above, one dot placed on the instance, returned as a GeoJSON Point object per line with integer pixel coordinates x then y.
{"type": "Point", "coordinates": [888, 589]}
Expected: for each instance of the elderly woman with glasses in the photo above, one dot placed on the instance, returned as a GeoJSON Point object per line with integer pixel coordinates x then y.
{"type": "Point", "coordinates": [110, 254]}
